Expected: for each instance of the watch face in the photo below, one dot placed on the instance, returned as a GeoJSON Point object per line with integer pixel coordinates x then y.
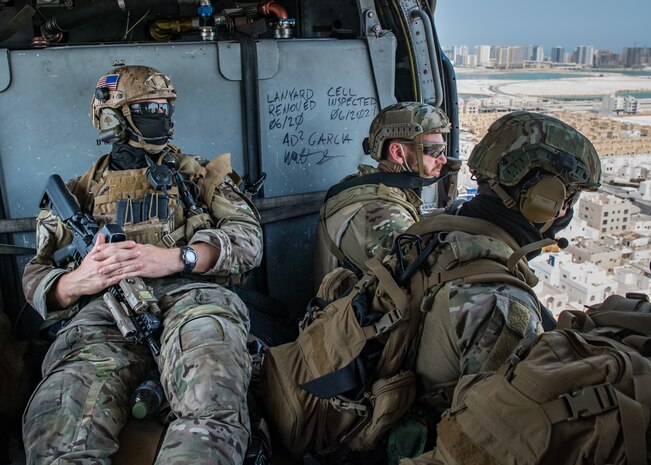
{"type": "Point", "coordinates": [190, 255]}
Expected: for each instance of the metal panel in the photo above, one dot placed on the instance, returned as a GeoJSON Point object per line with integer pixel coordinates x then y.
{"type": "Point", "coordinates": [44, 114]}
{"type": "Point", "coordinates": [315, 112]}
{"type": "Point", "coordinates": [5, 72]}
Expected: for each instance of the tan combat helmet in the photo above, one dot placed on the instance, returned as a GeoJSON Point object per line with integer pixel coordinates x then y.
{"type": "Point", "coordinates": [549, 161]}
{"type": "Point", "coordinates": [405, 120]}
{"type": "Point", "coordinates": [116, 90]}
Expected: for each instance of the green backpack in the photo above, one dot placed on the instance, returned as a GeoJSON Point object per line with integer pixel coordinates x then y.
{"type": "Point", "coordinates": [580, 395]}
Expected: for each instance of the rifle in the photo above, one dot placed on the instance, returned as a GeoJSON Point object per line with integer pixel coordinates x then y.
{"type": "Point", "coordinates": [131, 302]}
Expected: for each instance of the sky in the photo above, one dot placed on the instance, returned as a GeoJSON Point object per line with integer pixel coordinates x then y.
{"type": "Point", "coordinates": [605, 24]}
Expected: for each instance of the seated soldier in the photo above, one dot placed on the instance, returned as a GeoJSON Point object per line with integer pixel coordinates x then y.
{"type": "Point", "coordinates": [530, 169]}
{"type": "Point", "coordinates": [364, 213]}
{"type": "Point", "coordinates": [185, 248]}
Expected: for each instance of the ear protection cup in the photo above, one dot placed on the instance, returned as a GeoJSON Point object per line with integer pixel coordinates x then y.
{"type": "Point", "coordinates": [112, 126]}
{"type": "Point", "coordinates": [542, 198]}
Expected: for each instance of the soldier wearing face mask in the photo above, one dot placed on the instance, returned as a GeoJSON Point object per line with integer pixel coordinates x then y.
{"type": "Point", "coordinates": [186, 248]}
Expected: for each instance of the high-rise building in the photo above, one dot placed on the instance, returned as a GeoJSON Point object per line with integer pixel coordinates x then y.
{"type": "Point", "coordinates": [558, 55]}
{"type": "Point", "coordinates": [483, 53]}
{"type": "Point", "coordinates": [537, 53]}
{"type": "Point", "coordinates": [633, 57]}
{"type": "Point", "coordinates": [606, 59]}
{"type": "Point", "coordinates": [585, 55]}
{"type": "Point", "coordinates": [459, 51]}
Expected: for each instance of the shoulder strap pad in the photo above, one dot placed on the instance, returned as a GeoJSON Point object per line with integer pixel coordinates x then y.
{"type": "Point", "coordinates": [211, 175]}
{"type": "Point", "coordinates": [82, 188]}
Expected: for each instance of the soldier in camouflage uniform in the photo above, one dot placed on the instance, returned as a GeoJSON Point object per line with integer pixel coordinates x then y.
{"type": "Point", "coordinates": [530, 170]}
{"type": "Point", "coordinates": [90, 371]}
{"type": "Point", "coordinates": [362, 221]}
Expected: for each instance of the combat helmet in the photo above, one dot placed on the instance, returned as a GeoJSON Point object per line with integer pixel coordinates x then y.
{"type": "Point", "coordinates": [549, 161]}
{"type": "Point", "coordinates": [116, 90]}
{"type": "Point", "coordinates": [404, 120]}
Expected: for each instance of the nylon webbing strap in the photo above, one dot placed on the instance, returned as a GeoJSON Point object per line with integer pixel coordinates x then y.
{"type": "Point", "coordinates": [634, 427]}
{"type": "Point", "coordinates": [328, 240]}
{"type": "Point", "coordinates": [330, 385]}
{"type": "Point", "coordinates": [399, 180]}
{"type": "Point", "coordinates": [388, 283]}
{"type": "Point", "coordinates": [478, 267]}
{"type": "Point", "coordinates": [445, 223]}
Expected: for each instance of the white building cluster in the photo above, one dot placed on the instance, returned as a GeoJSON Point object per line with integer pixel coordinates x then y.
{"type": "Point", "coordinates": [609, 253]}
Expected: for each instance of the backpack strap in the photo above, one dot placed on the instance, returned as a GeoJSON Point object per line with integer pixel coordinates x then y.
{"type": "Point", "coordinates": [398, 180]}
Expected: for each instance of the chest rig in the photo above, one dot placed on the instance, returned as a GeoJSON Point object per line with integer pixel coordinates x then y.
{"type": "Point", "coordinates": [148, 215]}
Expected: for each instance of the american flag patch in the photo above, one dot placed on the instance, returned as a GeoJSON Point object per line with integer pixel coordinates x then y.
{"type": "Point", "coordinates": [110, 81]}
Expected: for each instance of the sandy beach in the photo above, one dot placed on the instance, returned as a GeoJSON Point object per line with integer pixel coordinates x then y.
{"type": "Point", "coordinates": [594, 84]}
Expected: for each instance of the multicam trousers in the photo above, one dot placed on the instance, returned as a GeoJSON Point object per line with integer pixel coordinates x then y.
{"type": "Point", "coordinates": [90, 372]}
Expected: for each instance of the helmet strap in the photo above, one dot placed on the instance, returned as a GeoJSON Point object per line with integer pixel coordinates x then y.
{"type": "Point", "coordinates": [507, 200]}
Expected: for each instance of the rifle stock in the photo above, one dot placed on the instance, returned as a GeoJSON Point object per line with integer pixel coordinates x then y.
{"type": "Point", "coordinates": [131, 303]}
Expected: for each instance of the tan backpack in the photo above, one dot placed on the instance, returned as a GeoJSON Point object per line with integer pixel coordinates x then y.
{"type": "Point", "coordinates": [347, 377]}
{"type": "Point", "coordinates": [580, 395]}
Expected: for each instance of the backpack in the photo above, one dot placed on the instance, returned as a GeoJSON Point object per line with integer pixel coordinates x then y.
{"type": "Point", "coordinates": [580, 395]}
{"type": "Point", "coordinates": [348, 376]}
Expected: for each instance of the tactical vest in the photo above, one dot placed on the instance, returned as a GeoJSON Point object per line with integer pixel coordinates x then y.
{"type": "Point", "coordinates": [309, 381]}
{"type": "Point", "coordinates": [147, 215]}
{"type": "Point", "coordinates": [337, 213]}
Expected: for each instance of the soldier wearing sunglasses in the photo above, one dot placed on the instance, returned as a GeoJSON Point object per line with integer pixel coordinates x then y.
{"type": "Point", "coordinates": [186, 254]}
{"type": "Point", "coordinates": [364, 213]}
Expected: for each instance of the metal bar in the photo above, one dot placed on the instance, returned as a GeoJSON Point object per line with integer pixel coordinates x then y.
{"type": "Point", "coordinates": [8, 249]}
{"type": "Point", "coordinates": [431, 46]}
{"type": "Point", "coordinates": [17, 225]}
{"type": "Point", "coordinates": [251, 106]}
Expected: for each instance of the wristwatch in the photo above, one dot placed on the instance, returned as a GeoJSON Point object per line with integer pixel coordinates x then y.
{"type": "Point", "coordinates": [189, 259]}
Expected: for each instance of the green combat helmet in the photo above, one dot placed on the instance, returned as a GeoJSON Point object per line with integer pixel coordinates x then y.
{"type": "Point", "coordinates": [405, 120]}
{"type": "Point", "coordinates": [117, 89]}
{"type": "Point", "coordinates": [549, 161]}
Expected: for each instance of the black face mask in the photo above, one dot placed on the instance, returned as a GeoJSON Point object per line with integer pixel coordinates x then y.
{"type": "Point", "coordinates": [127, 157]}
{"type": "Point", "coordinates": [154, 128]}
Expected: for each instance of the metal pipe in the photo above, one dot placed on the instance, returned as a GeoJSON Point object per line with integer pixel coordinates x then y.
{"type": "Point", "coordinates": [431, 46]}
{"type": "Point", "coordinates": [98, 10]}
{"type": "Point", "coordinates": [271, 8]}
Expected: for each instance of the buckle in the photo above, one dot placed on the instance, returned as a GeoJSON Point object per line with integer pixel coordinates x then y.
{"type": "Point", "coordinates": [590, 401]}
{"type": "Point", "coordinates": [348, 406]}
{"type": "Point", "coordinates": [168, 240]}
{"type": "Point", "coordinates": [388, 321]}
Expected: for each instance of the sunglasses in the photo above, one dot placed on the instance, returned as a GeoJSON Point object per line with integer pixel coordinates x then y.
{"type": "Point", "coordinates": [151, 108]}
{"type": "Point", "coordinates": [433, 149]}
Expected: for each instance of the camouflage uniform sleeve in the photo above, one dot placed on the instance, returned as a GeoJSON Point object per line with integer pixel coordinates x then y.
{"type": "Point", "coordinates": [373, 229]}
{"type": "Point", "coordinates": [40, 274]}
{"type": "Point", "coordinates": [237, 232]}
{"type": "Point", "coordinates": [490, 320]}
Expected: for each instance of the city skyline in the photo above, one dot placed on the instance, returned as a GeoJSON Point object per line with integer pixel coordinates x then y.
{"type": "Point", "coordinates": [602, 24]}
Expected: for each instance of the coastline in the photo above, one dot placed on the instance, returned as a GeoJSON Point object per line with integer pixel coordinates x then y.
{"type": "Point", "coordinates": [588, 85]}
